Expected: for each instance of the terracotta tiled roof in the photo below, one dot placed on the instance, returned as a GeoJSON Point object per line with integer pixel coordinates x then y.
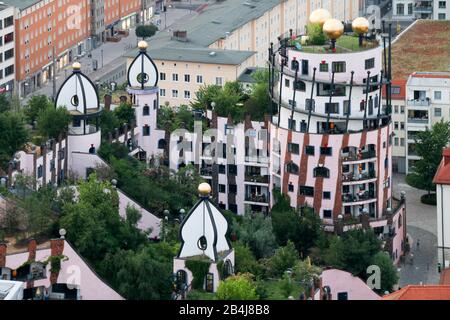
{"type": "Point", "coordinates": [417, 292]}
{"type": "Point", "coordinates": [443, 173]}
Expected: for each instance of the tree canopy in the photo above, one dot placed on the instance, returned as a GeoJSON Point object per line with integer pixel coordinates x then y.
{"type": "Point", "coordinates": [13, 138]}
{"type": "Point", "coordinates": [51, 122]}
{"type": "Point", "coordinates": [146, 31]}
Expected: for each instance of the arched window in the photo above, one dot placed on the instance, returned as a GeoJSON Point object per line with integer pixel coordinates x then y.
{"type": "Point", "coordinates": [321, 172]}
{"type": "Point", "coordinates": [162, 144]}
{"type": "Point", "coordinates": [146, 111]}
{"type": "Point", "coordinates": [294, 65]}
{"type": "Point", "coordinates": [292, 168]}
{"type": "Point", "coordinates": [181, 279]}
{"type": "Point", "coordinates": [300, 85]}
{"type": "Point", "coordinates": [228, 269]}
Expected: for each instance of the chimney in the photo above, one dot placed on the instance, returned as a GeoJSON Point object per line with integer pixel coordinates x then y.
{"type": "Point", "coordinates": [2, 254]}
{"type": "Point", "coordinates": [108, 102]}
{"type": "Point", "coordinates": [446, 154]}
{"type": "Point", "coordinates": [32, 245]}
{"type": "Point", "coordinates": [57, 249]}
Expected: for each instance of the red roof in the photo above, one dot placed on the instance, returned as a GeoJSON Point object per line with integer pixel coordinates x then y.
{"type": "Point", "coordinates": [443, 173]}
{"type": "Point", "coordinates": [445, 277]}
{"type": "Point", "coordinates": [417, 292]}
{"type": "Point", "coordinates": [431, 75]}
{"type": "Point", "coordinates": [401, 83]}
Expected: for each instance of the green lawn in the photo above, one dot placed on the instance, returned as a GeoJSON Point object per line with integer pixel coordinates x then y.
{"type": "Point", "coordinates": [344, 44]}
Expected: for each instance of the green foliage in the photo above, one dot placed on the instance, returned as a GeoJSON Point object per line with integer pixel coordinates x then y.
{"type": "Point", "coordinates": [259, 102]}
{"type": "Point", "coordinates": [55, 262]}
{"type": "Point", "coordinates": [146, 31]}
{"type": "Point", "coordinates": [108, 123]}
{"type": "Point", "coordinates": [199, 269]}
{"type": "Point", "coordinates": [200, 295]}
{"type": "Point", "coordinates": [305, 272]}
{"type": "Point", "coordinates": [5, 103]}
{"type": "Point", "coordinates": [429, 199]}
{"type": "Point", "coordinates": [170, 120]}
{"type": "Point", "coordinates": [287, 286]}
{"type": "Point", "coordinates": [316, 35]}
{"type": "Point", "coordinates": [389, 274]}
{"type": "Point", "coordinates": [256, 232]}
{"type": "Point", "coordinates": [429, 145]}
{"type": "Point", "coordinates": [13, 138]}
{"type": "Point", "coordinates": [284, 258]}
{"type": "Point", "coordinates": [36, 105]}
{"type": "Point", "coordinates": [239, 287]}
{"type": "Point", "coordinates": [39, 218]}
{"type": "Point", "coordinates": [109, 150]}
{"type": "Point", "coordinates": [51, 122]}
{"type": "Point", "coordinates": [141, 274]}
{"type": "Point", "coordinates": [245, 262]}
{"type": "Point", "coordinates": [415, 180]}
{"type": "Point", "coordinates": [124, 113]}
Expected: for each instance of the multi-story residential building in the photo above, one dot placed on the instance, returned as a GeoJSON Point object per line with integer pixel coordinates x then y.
{"type": "Point", "coordinates": [427, 102]}
{"type": "Point", "coordinates": [403, 9]}
{"type": "Point", "coordinates": [398, 94]}
{"type": "Point", "coordinates": [441, 10]}
{"type": "Point", "coordinates": [7, 50]}
{"type": "Point", "coordinates": [417, 9]}
{"type": "Point", "coordinates": [185, 70]}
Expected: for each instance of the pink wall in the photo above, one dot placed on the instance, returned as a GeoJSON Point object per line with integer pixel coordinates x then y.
{"type": "Point", "coordinates": [342, 281]}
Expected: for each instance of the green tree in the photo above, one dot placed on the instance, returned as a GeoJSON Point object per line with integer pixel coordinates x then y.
{"type": "Point", "coordinates": [146, 31]}
{"type": "Point", "coordinates": [39, 218]}
{"type": "Point", "coordinates": [239, 287]}
{"type": "Point", "coordinates": [5, 103]}
{"type": "Point", "coordinates": [13, 138]}
{"type": "Point", "coordinates": [205, 95]}
{"type": "Point", "coordinates": [256, 232]}
{"type": "Point", "coordinates": [284, 258]}
{"type": "Point", "coordinates": [245, 262]}
{"type": "Point", "coordinates": [259, 102]}
{"type": "Point", "coordinates": [53, 121]}
{"type": "Point", "coordinates": [315, 34]}
{"type": "Point", "coordinates": [429, 145]}
{"type": "Point", "coordinates": [35, 105]}
{"type": "Point", "coordinates": [388, 272]}
{"type": "Point", "coordinates": [124, 113]}
{"type": "Point", "coordinates": [108, 123]}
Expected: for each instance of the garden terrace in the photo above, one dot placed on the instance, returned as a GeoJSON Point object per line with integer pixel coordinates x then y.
{"type": "Point", "coordinates": [424, 47]}
{"type": "Point", "coordinates": [348, 43]}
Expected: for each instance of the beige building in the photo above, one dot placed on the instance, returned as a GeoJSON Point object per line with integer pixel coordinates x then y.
{"type": "Point", "coordinates": [184, 70]}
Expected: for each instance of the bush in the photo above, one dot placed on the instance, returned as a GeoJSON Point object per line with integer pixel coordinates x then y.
{"type": "Point", "coordinates": [240, 287]}
{"type": "Point", "coordinates": [414, 180]}
{"type": "Point", "coordinates": [429, 199]}
{"type": "Point", "coordinates": [316, 35]}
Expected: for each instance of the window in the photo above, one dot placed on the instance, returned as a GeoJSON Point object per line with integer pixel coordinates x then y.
{"type": "Point", "coordinates": [9, 54]}
{"type": "Point", "coordinates": [162, 76]}
{"type": "Point", "coordinates": [10, 21]}
{"type": "Point", "coordinates": [437, 112]}
{"type": "Point", "coordinates": [232, 169]}
{"type": "Point", "coordinates": [146, 130]}
{"type": "Point", "coordinates": [395, 90]}
{"type": "Point", "coordinates": [395, 141]}
{"type": "Point", "coordinates": [174, 93]}
{"type": "Point", "coordinates": [222, 169]}
{"type": "Point", "coordinates": [294, 65]}
{"type": "Point", "coordinates": [442, 5]}
{"type": "Point", "coordinates": [162, 92]}
{"type": "Point", "coordinates": [306, 191]}
{"type": "Point", "coordinates": [327, 214]}
{"type": "Point", "coordinates": [309, 150]}
{"type": "Point", "coordinates": [291, 124]}
{"type": "Point", "coordinates": [287, 83]}
{"type": "Point", "coordinates": [222, 188]}
{"type": "Point", "coordinates": [187, 78]}
{"type": "Point", "coordinates": [233, 208]}
{"type": "Point", "coordinates": [402, 109]}
{"type": "Point", "coordinates": [437, 95]}
{"type": "Point", "coordinates": [299, 85]}
{"type": "Point", "coordinates": [347, 110]}
{"type": "Point", "coordinates": [293, 148]}
{"type": "Point", "coordinates": [402, 126]}
{"type": "Point", "coordinates": [327, 195]}
{"type": "Point", "coordinates": [9, 70]}
{"type": "Point", "coordinates": [338, 66]}
{"type": "Point", "coordinates": [370, 63]}
{"type": "Point", "coordinates": [325, 89]}
{"type": "Point", "coordinates": [395, 109]}
{"type": "Point", "coordinates": [321, 172]}
{"type": "Point", "coordinates": [174, 77]}
{"type": "Point", "coordinates": [187, 94]}
{"type": "Point", "coordinates": [395, 125]}
{"type": "Point", "coordinates": [232, 188]}
{"type": "Point", "coordinates": [331, 107]}
{"type": "Point", "coordinates": [326, 151]}
{"type": "Point", "coordinates": [305, 67]}
{"type": "Point", "coordinates": [402, 142]}
{"type": "Point", "coordinates": [292, 168]}
{"type": "Point", "coordinates": [441, 16]}
{"type": "Point", "coordinates": [199, 79]}
{"type": "Point", "coordinates": [40, 171]}
{"type": "Point", "coordinates": [219, 81]}
{"type": "Point", "coordinates": [323, 67]}
{"type": "Point", "coordinates": [146, 110]}
{"type": "Point", "coordinates": [342, 296]}
{"type": "Point", "coordinates": [400, 9]}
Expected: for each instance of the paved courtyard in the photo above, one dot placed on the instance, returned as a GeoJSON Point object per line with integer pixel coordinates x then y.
{"type": "Point", "coordinates": [421, 267]}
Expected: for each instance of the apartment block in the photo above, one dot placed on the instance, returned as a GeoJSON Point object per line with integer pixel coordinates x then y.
{"type": "Point", "coordinates": [7, 50]}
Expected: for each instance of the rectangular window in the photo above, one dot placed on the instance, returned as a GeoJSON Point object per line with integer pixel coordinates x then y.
{"type": "Point", "coordinates": [442, 5]}
{"type": "Point", "coordinates": [306, 191]}
{"type": "Point", "coordinates": [441, 16]}
{"type": "Point", "coordinates": [222, 188]}
{"type": "Point", "coordinates": [309, 150]}
{"type": "Point", "coordinates": [187, 94]}
{"type": "Point", "coordinates": [437, 112]}
{"type": "Point", "coordinates": [395, 109]}
{"type": "Point", "coordinates": [402, 126]}
{"type": "Point", "coordinates": [395, 125]}
{"type": "Point", "coordinates": [327, 214]}
{"type": "Point", "coordinates": [327, 195]}
{"type": "Point", "coordinates": [219, 81]}
{"type": "Point", "coordinates": [287, 83]}
{"type": "Point", "coordinates": [232, 169]}
{"type": "Point", "coordinates": [146, 130]}
{"type": "Point", "coordinates": [162, 92]}
{"type": "Point", "coordinates": [326, 151]}
{"type": "Point", "coordinates": [402, 109]}
{"type": "Point", "coordinates": [175, 77]}
{"type": "Point", "coordinates": [323, 67]}
{"type": "Point", "coordinates": [331, 107]}
{"type": "Point", "coordinates": [199, 79]}
{"type": "Point", "coordinates": [222, 169]}
{"type": "Point", "coordinates": [9, 70]}
{"type": "Point", "coordinates": [162, 76]}
{"type": "Point", "coordinates": [232, 188]}
{"type": "Point", "coordinates": [370, 63]}
{"type": "Point", "coordinates": [293, 148]}
{"type": "Point", "coordinates": [402, 142]}
{"type": "Point", "coordinates": [347, 110]}
{"type": "Point", "coordinates": [437, 95]}
{"type": "Point", "coordinates": [187, 78]}
{"type": "Point", "coordinates": [325, 90]}
{"type": "Point", "coordinates": [338, 66]}
{"type": "Point", "coordinates": [174, 93]}
{"type": "Point", "coordinates": [395, 141]}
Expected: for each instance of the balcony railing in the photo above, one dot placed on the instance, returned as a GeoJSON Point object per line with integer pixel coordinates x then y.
{"type": "Point", "coordinates": [206, 171]}
{"type": "Point", "coordinates": [256, 178]}
{"type": "Point", "coordinates": [418, 120]}
{"type": "Point", "coordinates": [257, 198]}
{"type": "Point", "coordinates": [360, 156]}
{"type": "Point", "coordinates": [419, 103]}
{"type": "Point", "coordinates": [367, 195]}
{"type": "Point", "coordinates": [358, 177]}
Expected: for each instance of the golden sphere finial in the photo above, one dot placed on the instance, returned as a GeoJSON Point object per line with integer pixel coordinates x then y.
{"type": "Point", "coordinates": [204, 189]}
{"type": "Point", "coordinates": [76, 66]}
{"type": "Point", "coordinates": [319, 16]}
{"type": "Point", "coordinates": [360, 25]}
{"type": "Point", "coordinates": [333, 28]}
{"type": "Point", "coordinates": [143, 45]}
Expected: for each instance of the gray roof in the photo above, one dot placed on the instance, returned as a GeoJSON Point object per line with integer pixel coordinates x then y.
{"type": "Point", "coordinates": [247, 75]}
{"type": "Point", "coordinates": [21, 4]}
{"type": "Point", "coordinates": [200, 55]}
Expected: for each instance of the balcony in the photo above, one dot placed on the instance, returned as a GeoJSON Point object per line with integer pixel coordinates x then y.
{"type": "Point", "coordinates": [353, 177]}
{"type": "Point", "coordinates": [206, 171]}
{"type": "Point", "coordinates": [359, 197]}
{"type": "Point", "coordinates": [359, 156]}
{"type": "Point", "coordinates": [256, 178]}
{"type": "Point", "coordinates": [419, 103]}
{"type": "Point", "coordinates": [257, 198]}
{"type": "Point", "coordinates": [418, 120]}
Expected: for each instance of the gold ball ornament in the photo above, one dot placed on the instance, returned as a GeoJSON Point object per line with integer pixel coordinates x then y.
{"type": "Point", "coordinates": [204, 189]}
{"type": "Point", "coordinates": [76, 66]}
{"type": "Point", "coordinates": [360, 25]}
{"type": "Point", "coordinates": [143, 45]}
{"type": "Point", "coordinates": [319, 16]}
{"type": "Point", "coordinates": [333, 28]}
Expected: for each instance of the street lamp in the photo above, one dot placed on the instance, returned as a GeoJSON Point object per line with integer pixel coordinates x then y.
{"type": "Point", "coordinates": [102, 57]}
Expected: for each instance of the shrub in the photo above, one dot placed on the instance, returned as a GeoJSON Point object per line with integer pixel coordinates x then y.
{"type": "Point", "coordinates": [239, 287]}
{"type": "Point", "coordinates": [429, 199]}
{"type": "Point", "coordinates": [316, 35]}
